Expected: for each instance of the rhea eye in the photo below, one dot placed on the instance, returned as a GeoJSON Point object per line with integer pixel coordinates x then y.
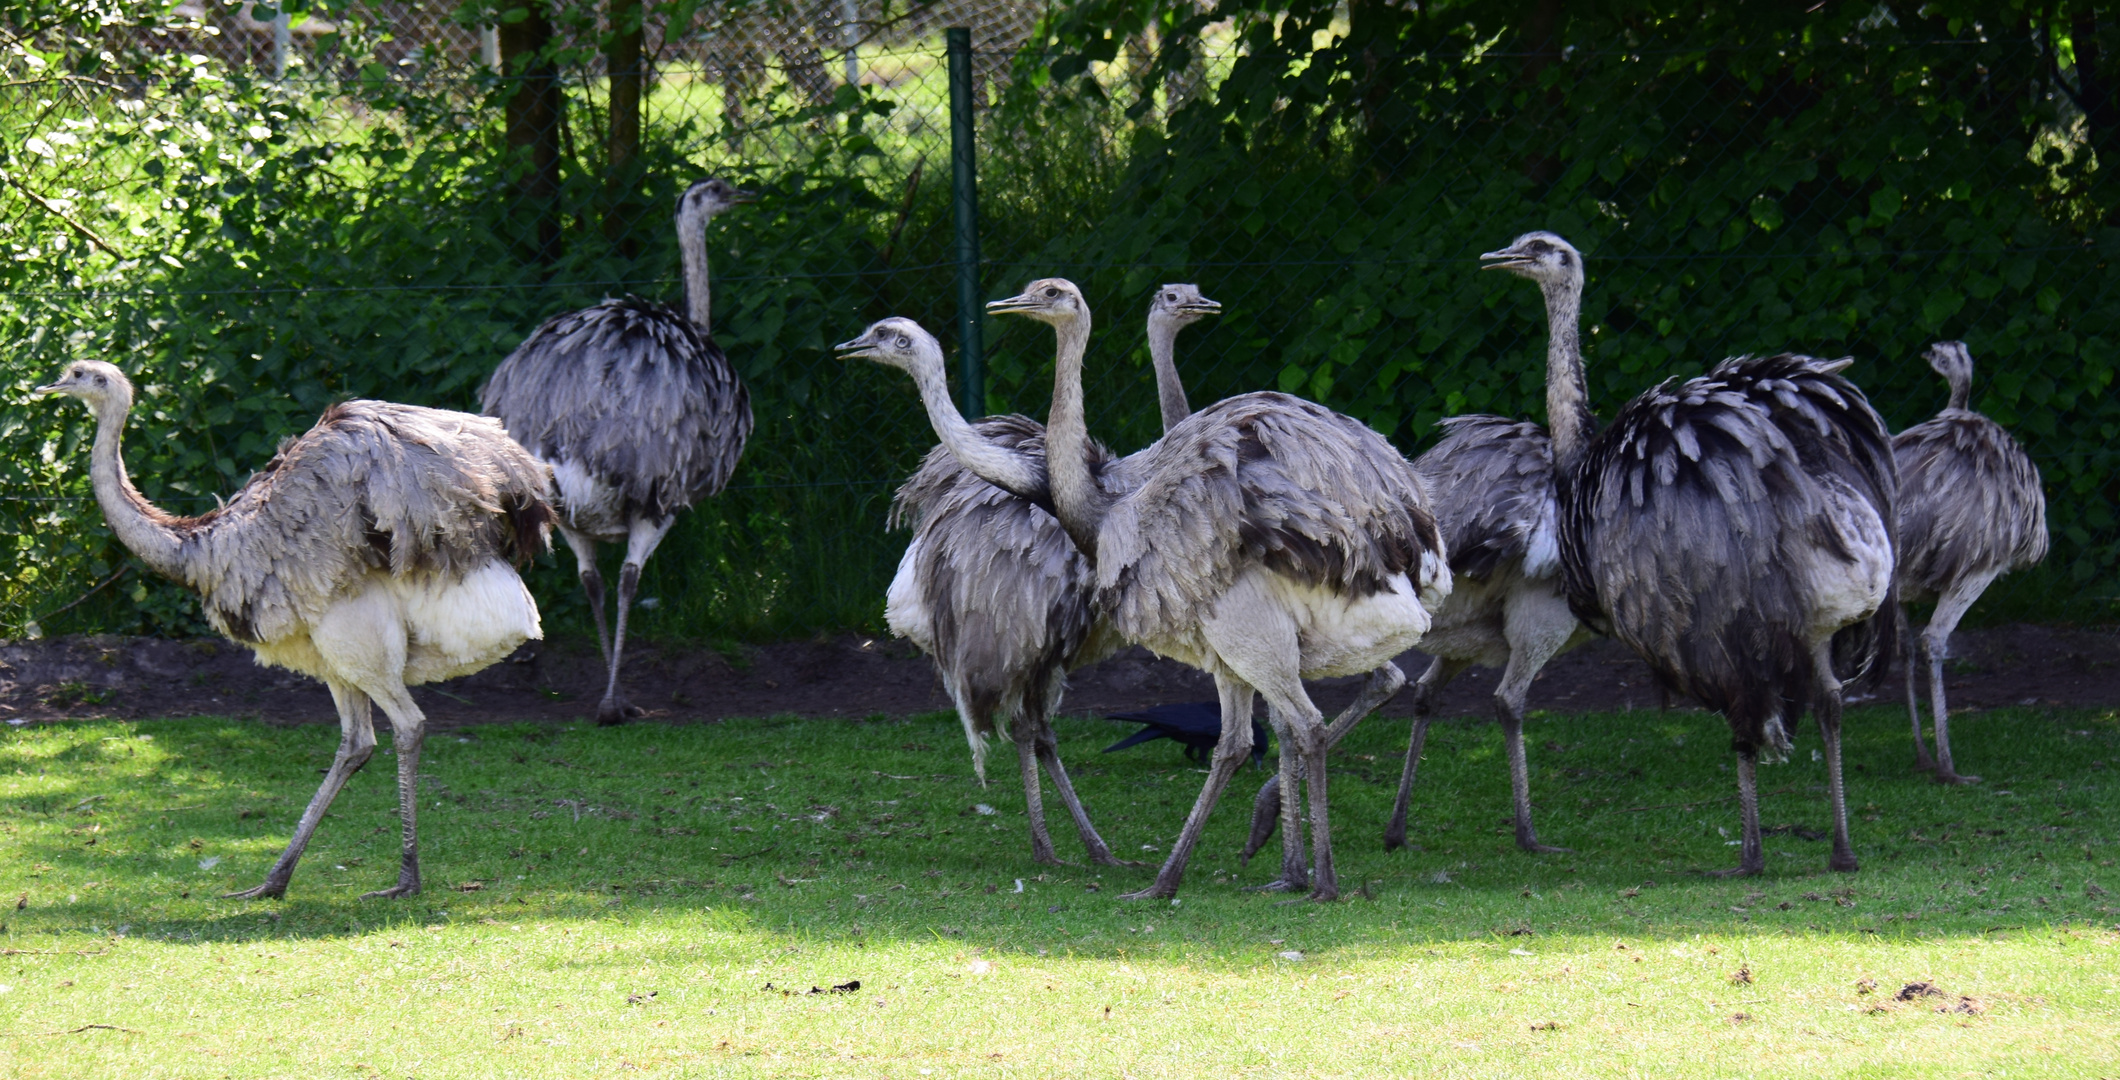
{"type": "Point", "coordinates": [905, 342]}
{"type": "Point", "coordinates": [1052, 292]}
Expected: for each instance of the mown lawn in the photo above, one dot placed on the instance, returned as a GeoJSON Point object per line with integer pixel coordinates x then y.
{"type": "Point", "coordinates": [662, 900]}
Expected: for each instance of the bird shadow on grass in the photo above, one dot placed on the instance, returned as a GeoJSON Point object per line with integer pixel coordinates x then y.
{"type": "Point", "coordinates": [841, 831]}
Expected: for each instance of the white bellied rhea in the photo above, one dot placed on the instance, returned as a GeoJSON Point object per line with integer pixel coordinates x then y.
{"type": "Point", "coordinates": [993, 589]}
{"type": "Point", "coordinates": [1970, 510]}
{"type": "Point", "coordinates": [375, 552]}
{"type": "Point", "coordinates": [1492, 485]}
{"type": "Point", "coordinates": [1263, 539]}
{"type": "Point", "coordinates": [639, 414]}
{"type": "Point", "coordinates": [1734, 529]}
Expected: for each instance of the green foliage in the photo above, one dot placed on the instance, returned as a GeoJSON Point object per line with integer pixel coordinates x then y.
{"type": "Point", "coordinates": [1829, 181]}
{"type": "Point", "coordinates": [1835, 184]}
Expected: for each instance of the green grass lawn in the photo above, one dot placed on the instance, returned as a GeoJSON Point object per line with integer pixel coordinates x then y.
{"type": "Point", "coordinates": [662, 900]}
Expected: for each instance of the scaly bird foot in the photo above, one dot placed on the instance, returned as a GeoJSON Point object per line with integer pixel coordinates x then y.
{"type": "Point", "coordinates": [1153, 892]}
{"type": "Point", "coordinates": [1947, 777]}
{"type": "Point", "coordinates": [394, 892]}
{"type": "Point", "coordinates": [1280, 884]}
{"type": "Point", "coordinates": [271, 890]}
{"type": "Point", "coordinates": [613, 712]}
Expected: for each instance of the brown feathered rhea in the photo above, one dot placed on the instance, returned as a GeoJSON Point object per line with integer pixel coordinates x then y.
{"type": "Point", "coordinates": [1970, 510]}
{"type": "Point", "coordinates": [375, 552]}
{"type": "Point", "coordinates": [1263, 539]}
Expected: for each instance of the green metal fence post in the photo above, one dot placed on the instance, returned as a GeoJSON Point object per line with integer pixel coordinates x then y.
{"type": "Point", "coordinates": [965, 190]}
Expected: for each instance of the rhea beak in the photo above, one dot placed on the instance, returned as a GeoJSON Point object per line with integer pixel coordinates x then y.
{"type": "Point", "coordinates": [1505, 259]}
{"type": "Point", "coordinates": [1202, 306]}
{"type": "Point", "coordinates": [860, 348]}
{"type": "Point", "coordinates": [740, 195]}
{"type": "Point", "coordinates": [44, 390]}
{"type": "Point", "coordinates": [1014, 305]}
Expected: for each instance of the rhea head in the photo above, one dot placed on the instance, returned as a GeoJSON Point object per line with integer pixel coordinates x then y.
{"type": "Point", "coordinates": [1181, 305]}
{"type": "Point", "coordinates": [94, 382]}
{"type": "Point", "coordinates": [1053, 301]}
{"type": "Point", "coordinates": [1540, 256]}
{"type": "Point", "coordinates": [1950, 359]}
{"type": "Point", "coordinates": [711, 196]}
{"type": "Point", "coordinates": [896, 342]}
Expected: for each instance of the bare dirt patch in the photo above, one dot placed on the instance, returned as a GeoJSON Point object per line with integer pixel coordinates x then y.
{"type": "Point", "coordinates": [82, 677]}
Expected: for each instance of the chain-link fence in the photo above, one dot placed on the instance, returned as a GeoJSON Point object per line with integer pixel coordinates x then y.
{"type": "Point", "coordinates": [378, 223]}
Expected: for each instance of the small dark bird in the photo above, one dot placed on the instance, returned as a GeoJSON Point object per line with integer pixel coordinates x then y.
{"type": "Point", "coordinates": [1196, 724]}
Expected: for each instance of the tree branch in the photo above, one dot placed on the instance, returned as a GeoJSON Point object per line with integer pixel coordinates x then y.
{"type": "Point", "coordinates": [85, 232]}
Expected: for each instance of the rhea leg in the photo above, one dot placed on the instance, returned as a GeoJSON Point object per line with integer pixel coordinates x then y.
{"type": "Point", "coordinates": [642, 537]}
{"type": "Point", "coordinates": [1378, 688]}
{"type": "Point", "coordinates": [1922, 760]}
{"type": "Point", "coordinates": [1936, 642]}
{"type": "Point", "coordinates": [1021, 730]}
{"type": "Point", "coordinates": [1049, 752]}
{"type": "Point", "coordinates": [1306, 729]}
{"type": "Point", "coordinates": [1754, 857]}
{"type": "Point", "coordinates": [1431, 683]}
{"type": "Point", "coordinates": [1537, 625]}
{"type": "Point", "coordinates": [1282, 797]}
{"type": "Point", "coordinates": [584, 548]}
{"type": "Point", "coordinates": [408, 729]}
{"type": "Point", "coordinates": [356, 745]}
{"type": "Point", "coordinates": [1828, 712]}
{"type": "Point", "coordinates": [1231, 751]}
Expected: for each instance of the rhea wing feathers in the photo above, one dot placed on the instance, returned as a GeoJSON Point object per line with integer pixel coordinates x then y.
{"type": "Point", "coordinates": [1712, 523]}
{"type": "Point", "coordinates": [1490, 481]}
{"type": "Point", "coordinates": [374, 487]}
{"type": "Point", "coordinates": [1258, 479]}
{"type": "Point", "coordinates": [586, 386]}
{"type": "Point", "coordinates": [1969, 500]}
{"type": "Point", "coordinates": [991, 586]}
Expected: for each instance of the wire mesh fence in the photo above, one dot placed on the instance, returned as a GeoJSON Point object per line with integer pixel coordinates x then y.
{"type": "Point", "coordinates": [372, 224]}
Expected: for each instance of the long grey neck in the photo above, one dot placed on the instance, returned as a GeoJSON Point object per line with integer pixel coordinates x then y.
{"type": "Point", "coordinates": [1961, 379]}
{"type": "Point", "coordinates": [1162, 352]}
{"type": "Point", "coordinates": [142, 528]}
{"type": "Point", "coordinates": [692, 247]}
{"type": "Point", "coordinates": [1077, 500]}
{"type": "Point", "coordinates": [1007, 469]}
{"type": "Point", "coordinates": [1568, 418]}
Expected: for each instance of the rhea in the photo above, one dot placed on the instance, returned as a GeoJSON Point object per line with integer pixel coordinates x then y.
{"type": "Point", "coordinates": [1970, 510]}
{"type": "Point", "coordinates": [639, 413]}
{"type": "Point", "coordinates": [1734, 529]}
{"type": "Point", "coordinates": [1263, 539]}
{"type": "Point", "coordinates": [375, 552]}
{"type": "Point", "coordinates": [1492, 482]}
{"type": "Point", "coordinates": [993, 589]}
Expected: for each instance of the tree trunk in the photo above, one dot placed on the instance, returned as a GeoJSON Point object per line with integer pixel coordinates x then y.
{"type": "Point", "coordinates": [622, 210]}
{"type": "Point", "coordinates": [534, 113]}
{"type": "Point", "coordinates": [2092, 95]}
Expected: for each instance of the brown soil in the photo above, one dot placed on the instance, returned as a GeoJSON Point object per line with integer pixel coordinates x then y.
{"type": "Point", "coordinates": [138, 677]}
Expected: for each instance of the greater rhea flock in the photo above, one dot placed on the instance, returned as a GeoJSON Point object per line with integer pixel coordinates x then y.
{"type": "Point", "coordinates": [1751, 533]}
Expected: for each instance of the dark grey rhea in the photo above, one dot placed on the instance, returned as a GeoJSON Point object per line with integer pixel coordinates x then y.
{"type": "Point", "coordinates": [1263, 539]}
{"type": "Point", "coordinates": [992, 588]}
{"type": "Point", "coordinates": [375, 552]}
{"type": "Point", "coordinates": [640, 415]}
{"type": "Point", "coordinates": [1970, 510]}
{"type": "Point", "coordinates": [1734, 529]}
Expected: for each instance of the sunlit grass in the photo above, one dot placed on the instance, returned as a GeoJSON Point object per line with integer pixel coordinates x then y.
{"type": "Point", "coordinates": [600, 902]}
